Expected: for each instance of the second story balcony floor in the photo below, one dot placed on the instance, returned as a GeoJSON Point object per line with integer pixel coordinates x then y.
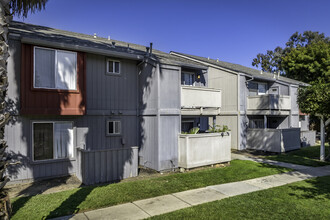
{"type": "Point", "coordinates": [200, 100]}
{"type": "Point", "coordinates": [269, 102]}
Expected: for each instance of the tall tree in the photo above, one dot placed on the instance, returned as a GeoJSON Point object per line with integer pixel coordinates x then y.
{"type": "Point", "coordinates": [8, 8]}
{"type": "Point", "coordinates": [271, 61]}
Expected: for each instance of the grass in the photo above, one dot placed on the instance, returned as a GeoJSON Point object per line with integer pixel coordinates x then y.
{"type": "Point", "coordinates": [308, 156]}
{"type": "Point", "coordinates": [93, 197]}
{"type": "Point", "coordinates": [308, 199]}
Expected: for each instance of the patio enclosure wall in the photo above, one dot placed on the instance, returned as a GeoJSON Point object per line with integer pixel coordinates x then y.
{"type": "Point", "coordinates": [197, 150]}
{"type": "Point", "coordinates": [273, 140]}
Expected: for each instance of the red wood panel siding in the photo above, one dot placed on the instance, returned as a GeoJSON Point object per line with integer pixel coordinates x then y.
{"type": "Point", "coordinates": [51, 101]}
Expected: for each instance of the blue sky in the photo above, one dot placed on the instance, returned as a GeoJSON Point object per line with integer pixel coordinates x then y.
{"type": "Point", "coordinates": [231, 30]}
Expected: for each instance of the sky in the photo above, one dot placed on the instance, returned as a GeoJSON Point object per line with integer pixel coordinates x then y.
{"type": "Point", "coordinates": [231, 30]}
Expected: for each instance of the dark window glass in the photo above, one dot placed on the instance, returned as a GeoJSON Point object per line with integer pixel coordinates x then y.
{"type": "Point", "coordinates": [110, 66]}
{"type": "Point", "coordinates": [43, 141]}
{"type": "Point", "coordinates": [116, 67]}
{"type": "Point", "coordinates": [111, 127]}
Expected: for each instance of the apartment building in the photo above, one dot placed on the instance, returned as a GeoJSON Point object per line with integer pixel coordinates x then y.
{"type": "Point", "coordinates": [98, 108]}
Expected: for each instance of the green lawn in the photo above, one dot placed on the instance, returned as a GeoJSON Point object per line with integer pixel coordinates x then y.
{"type": "Point", "coordinates": [93, 197]}
{"type": "Point", "coordinates": [308, 156]}
{"type": "Point", "coordinates": [308, 199]}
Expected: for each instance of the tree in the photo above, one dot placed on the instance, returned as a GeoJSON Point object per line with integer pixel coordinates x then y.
{"type": "Point", "coordinates": [271, 61]}
{"type": "Point", "coordinates": [8, 8]}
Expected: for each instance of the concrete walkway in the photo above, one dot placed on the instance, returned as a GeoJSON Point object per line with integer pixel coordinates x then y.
{"type": "Point", "coordinates": [168, 203]}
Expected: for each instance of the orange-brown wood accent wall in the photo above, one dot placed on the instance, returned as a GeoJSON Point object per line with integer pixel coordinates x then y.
{"type": "Point", "coordinates": [51, 101]}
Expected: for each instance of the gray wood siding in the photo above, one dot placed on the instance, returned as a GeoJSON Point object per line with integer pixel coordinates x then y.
{"type": "Point", "coordinates": [243, 93]}
{"type": "Point", "coordinates": [18, 133]}
{"type": "Point", "coordinates": [148, 89]}
{"type": "Point", "coordinates": [149, 146]}
{"type": "Point", "coordinates": [14, 70]}
{"type": "Point", "coordinates": [227, 82]}
{"type": "Point", "coordinates": [284, 89]}
{"type": "Point", "coordinates": [169, 133]}
{"type": "Point", "coordinates": [107, 93]}
{"type": "Point", "coordinates": [91, 132]}
{"type": "Point", "coordinates": [170, 89]}
{"type": "Point", "coordinates": [108, 165]}
{"type": "Point", "coordinates": [231, 122]}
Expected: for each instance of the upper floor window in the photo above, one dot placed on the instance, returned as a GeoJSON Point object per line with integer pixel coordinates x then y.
{"type": "Point", "coordinates": [188, 78]}
{"type": "Point", "coordinates": [52, 140]}
{"type": "Point", "coordinates": [113, 66]}
{"type": "Point", "coordinates": [257, 88]}
{"type": "Point", "coordinates": [55, 69]}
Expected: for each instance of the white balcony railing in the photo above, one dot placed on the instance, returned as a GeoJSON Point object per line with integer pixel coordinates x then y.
{"type": "Point", "coordinates": [200, 97]}
{"type": "Point", "coordinates": [269, 102]}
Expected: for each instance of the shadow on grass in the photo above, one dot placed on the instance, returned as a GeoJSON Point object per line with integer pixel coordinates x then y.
{"type": "Point", "coordinates": [277, 168]}
{"type": "Point", "coordinates": [71, 204]}
{"type": "Point", "coordinates": [317, 189]}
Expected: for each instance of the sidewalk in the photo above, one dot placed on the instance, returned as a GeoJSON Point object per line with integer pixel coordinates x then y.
{"type": "Point", "coordinates": [168, 203]}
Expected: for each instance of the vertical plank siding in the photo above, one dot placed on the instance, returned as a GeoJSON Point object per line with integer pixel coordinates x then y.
{"type": "Point", "coordinates": [50, 101]}
{"type": "Point", "coordinates": [108, 165]}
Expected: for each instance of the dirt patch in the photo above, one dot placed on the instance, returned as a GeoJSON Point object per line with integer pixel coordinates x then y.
{"type": "Point", "coordinates": [43, 186]}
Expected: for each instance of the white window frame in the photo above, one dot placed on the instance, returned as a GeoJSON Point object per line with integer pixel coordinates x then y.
{"type": "Point", "coordinates": [114, 121]}
{"type": "Point", "coordinates": [113, 67]}
{"type": "Point", "coordinates": [55, 66]}
{"type": "Point", "coordinates": [51, 122]}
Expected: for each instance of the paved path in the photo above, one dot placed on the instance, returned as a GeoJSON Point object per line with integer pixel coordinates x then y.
{"type": "Point", "coordinates": [168, 203]}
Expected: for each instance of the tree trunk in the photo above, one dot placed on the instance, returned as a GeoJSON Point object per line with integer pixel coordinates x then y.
{"type": "Point", "coordinates": [322, 150]}
{"type": "Point", "coordinates": [5, 18]}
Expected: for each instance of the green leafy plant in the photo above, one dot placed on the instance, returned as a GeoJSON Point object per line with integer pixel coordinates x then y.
{"type": "Point", "coordinates": [218, 129]}
{"type": "Point", "coordinates": [194, 130]}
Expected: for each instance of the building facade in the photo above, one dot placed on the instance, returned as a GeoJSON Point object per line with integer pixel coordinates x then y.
{"type": "Point", "coordinates": [98, 108]}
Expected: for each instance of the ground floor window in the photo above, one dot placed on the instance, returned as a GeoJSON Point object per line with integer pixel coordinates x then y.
{"type": "Point", "coordinates": [52, 140]}
{"type": "Point", "coordinates": [256, 123]}
{"type": "Point", "coordinates": [113, 127]}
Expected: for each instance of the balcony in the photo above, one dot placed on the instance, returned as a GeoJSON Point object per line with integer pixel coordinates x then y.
{"type": "Point", "coordinates": [269, 102]}
{"type": "Point", "coordinates": [200, 101]}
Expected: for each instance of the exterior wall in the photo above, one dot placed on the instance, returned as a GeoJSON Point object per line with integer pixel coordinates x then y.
{"type": "Point", "coordinates": [227, 82]}
{"type": "Point", "coordinates": [304, 124]}
{"type": "Point", "coordinates": [232, 122]}
{"type": "Point", "coordinates": [50, 101]}
{"type": "Point", "coordinates": [109, 97]}
{"type": "Point", "coordinates": [294, 119]}
{"type": "Point", "coordinates": [18, 134]}
{"type": "Point", "coordinates": [111, 94]}
{"type": "Point", "coordinates": [160, 116]}
{"type": "Point", "coordinates": [283, 89]}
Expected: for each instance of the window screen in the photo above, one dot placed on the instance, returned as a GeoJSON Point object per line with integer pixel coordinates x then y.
{"type": "Point", "coordinates": [44, 69]}
{"type": "Point", "coordinates": [55, 69]}
{"type": "Point", "coordinates": [52, 140]}
{"type": "Point", "coordinates": [43, 141]}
